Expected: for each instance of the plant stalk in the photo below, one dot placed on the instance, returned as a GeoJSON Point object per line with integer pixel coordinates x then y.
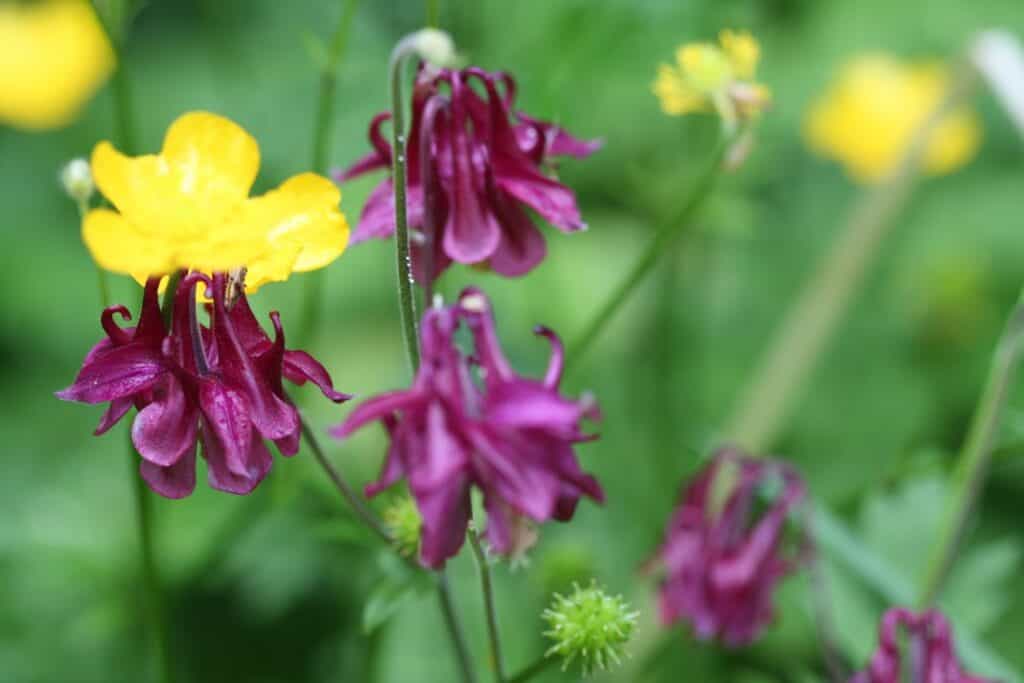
{"type": "Point", "coordinates": [976, 454]}
{"type": "Point", "coordinates": [662, 242]}
{"type": "Point", "coordinates": [813, 318]}
{"type": "Point", "coordinates": [538, 667]}
{"type": "Point", "coordinates": [487, 590]}
{"type": "Point", "coordinates": [403, 265]}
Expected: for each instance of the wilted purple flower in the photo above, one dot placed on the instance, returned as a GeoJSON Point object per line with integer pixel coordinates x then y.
{"type": "Point", "coordinates": [929, 647]}
{"type": "Point", "coordinates": [480, 171]}
{"type": "Point", "coordinates": [511, 436]}
{"type": "Point", "coordinates": [722, 565]}
{"type": "Point", "coordinates": [220, 385]}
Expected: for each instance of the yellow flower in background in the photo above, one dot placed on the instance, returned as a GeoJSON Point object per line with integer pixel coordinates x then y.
{"type": "Point", "coordinates": [709, 77]}
{"type": "Point", "coordinates": [866, 119]}
{"type": "Point", "coordinates": [188, 207]}
{"type": "Point", "coordinates": [54, 56]}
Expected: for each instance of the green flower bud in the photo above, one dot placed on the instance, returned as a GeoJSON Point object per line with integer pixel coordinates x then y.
{"type": "Point", "coordinates": [404, 522]}
{"type": "Point", "coordinates": [76, 180]}
{"type": "Point", "coordinates": [589, 626]}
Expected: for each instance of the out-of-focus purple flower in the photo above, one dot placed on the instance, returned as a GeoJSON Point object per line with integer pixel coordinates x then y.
{"type": "Point", "coordinates": [928, 653]}
{"type": "Point", "coordinates": [472, 172]}
{"type": "Point", "coordinates": [219, 385]}
{"type": "Point", "coordinates": [509, 435]}
{"type": "Point", "coordinates": [722, 565]}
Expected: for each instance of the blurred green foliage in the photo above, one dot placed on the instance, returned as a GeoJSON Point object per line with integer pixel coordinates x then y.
{"type": "Point", "coordinates": [271, 588]}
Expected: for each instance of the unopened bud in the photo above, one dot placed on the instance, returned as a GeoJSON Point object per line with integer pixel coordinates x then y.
{"type": "Point", "coordinates": [76, 179]}
{"type": "Point", "coordinates": [591, 627]}
{"type": "Point", "coordinates": [435, 47]}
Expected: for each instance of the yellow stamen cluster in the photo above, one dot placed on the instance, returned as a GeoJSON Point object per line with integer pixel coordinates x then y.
{"type": "Point", "coordinates": [710, 77]}
{"type": "Point", "coordinates": [867, 117]}
{"type": "Point", "coordinates": [188, 207]}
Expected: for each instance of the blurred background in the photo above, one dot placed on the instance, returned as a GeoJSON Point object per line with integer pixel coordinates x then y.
{"type": "Point", "coordinates": [272, 587]}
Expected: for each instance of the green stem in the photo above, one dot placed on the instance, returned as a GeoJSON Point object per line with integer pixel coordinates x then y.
{"type": "Point", "coordinates": [817, 311]}
{"type": "Point", "coordinates": [457, 637]}
{"type": "Point", "coordinates": [973, 463]}
{"type": "Point", "coordinates": [360, 508]}
{"type": "Point", "coordinates": [538, 667]}
{"type": "Point", "coordinates": [661, 243]}
{"type": "Point", "coordinates": [322, 128]}
{"type": "Point", "coordinates": [150, 571]}
{"type": "Point", "coordinates": [433, 13]}
{"type": "Point", "coordinates": [374, 523]}
{"type": "Point", "coordinates": [487, 589]}
{"type": "Point", "coordinates": [406, 302]}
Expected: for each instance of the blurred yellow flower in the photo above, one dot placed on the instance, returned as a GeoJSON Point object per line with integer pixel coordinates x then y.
{"type": "Point", "coordinates": [54, 55]}
{"type": "Point", "coordinates": [865, 120]}
{"type": "Point", "coordinates": [709, 77]}
{"type": "Point", "coordinates": [188, 208]}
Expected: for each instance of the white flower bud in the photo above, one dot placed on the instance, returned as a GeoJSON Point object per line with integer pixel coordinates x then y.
{"type": "Point", "coordinates": [76, 179]}
{"type": "Point", "coordinates": [435, 46]}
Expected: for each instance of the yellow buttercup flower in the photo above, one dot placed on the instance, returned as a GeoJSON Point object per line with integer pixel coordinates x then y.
{"type": "Point", "coordinates": [866, 119]}
{"type": "Point", "coordinates": [710, 77]}
{"type": "Point", "coordinates": [54, 56]}
{"type": "Point", "coordinates": [188, 207]}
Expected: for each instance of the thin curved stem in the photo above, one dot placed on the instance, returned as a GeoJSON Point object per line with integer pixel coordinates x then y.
{"type": "Point", "coordinates": [976, 453]}
{"type": "Point", "coordinates": [487, 589]}
{"type": "Point", "coordinates": [451, 621]}
{"type": "Point", "coordinates": [360, 508]}
{"type": "Point", "coordinates": [322, 129]}
{"type": "Point", "coordinates": [403, 265]}
{"type": "Point", "coordinates": [663, 240]}
{"type": "Point", "coordinates": [767, 401]}
{"type": "Point", "coordinates": [538, 667]}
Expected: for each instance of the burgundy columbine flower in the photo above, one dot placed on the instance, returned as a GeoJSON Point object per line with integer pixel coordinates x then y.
{"type": "Point", "coordinates": [511, 436]}
{"type": "Point", "coordinates": [722, 566]}
{"type": "Point", "coordinates": [220, 385]}
{"type": "Point", "coordinates": [929, 646]}
{"type": "Point", "coordinates": [480, 170]}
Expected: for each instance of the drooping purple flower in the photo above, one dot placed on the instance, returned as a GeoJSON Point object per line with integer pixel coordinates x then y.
{"type": "Point", "coordinates": [510, 436]}
{"type": "Point", "coordinates": [928, 653]}
{"type": "Point", "coordinates": [474, 167]}
{"type": "Point", "coordinates": [219, 385]}
{"type": "Point", "coordinates": [722, 565]}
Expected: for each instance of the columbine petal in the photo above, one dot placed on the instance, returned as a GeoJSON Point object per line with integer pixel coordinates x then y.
{"type": "Point", "coordinates": [117, 373]}
{"type": "Point", "coordinates": [522, 246]}
{"type": "Point", "coordinates": [174, 481]}
{"type": "Point", "coordinates": [300, 367]}
{"type": "Point", "coordinates": [165, 429]}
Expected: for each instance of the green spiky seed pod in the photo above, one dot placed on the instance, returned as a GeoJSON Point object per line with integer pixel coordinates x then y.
{"type": "Point", "coordinates": [589, 626]}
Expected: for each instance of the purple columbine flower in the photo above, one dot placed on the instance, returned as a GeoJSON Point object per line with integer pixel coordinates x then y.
{"type": "Point", "coordinates": [510, 436]}
{"type": "Point", "coordinates": [474, 168]}
{"type": "Point", "coordinates": [722, 565]}
{"type": "Point", "coordinates": [219, 385]}
{"type": "Point", "coordinates": [929, 647]}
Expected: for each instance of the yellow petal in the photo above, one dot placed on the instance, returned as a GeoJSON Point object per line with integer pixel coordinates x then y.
{"type": "Point", "coordinates": [204, 172]}
{"type": "Point", "coordinates": [674, 95]}
{"type": "Point", "coordinates": [116, 246]}
{"type": "Point", "coordinates": [53, 57]}
{"type": "Point", "coordinates": [743, 52]}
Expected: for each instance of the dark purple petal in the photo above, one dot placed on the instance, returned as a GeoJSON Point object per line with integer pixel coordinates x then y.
{"type": "Point", "coordinates": [378, 217]}
{"type": "Point", "coordinates": [300, 367]}
{"type": "Point", "coordinates": [525, 403]}
{"type": "Point", "coordinates": [116, 373]}
{"type": "Point", "coordinates": [380, 157]}
{"type": "Point", "coordinates": [223, 477]}
{"type": "Point", "coordinates": [272, 416]}
{"type": "Point", "coordinates": [377, 408]}
{"type": "Point", "coordinates": [175, 481]}
{"type": "Point", "coordinates": [392, 470]}
{"type": "Point", "coordinates": [166, 428]}
{"type": "Point", "coordinates": [227, 428]}
{"type": "Point", "coordinates": [554, 140]}
{"type": "Point", "coordinates": [553, 376]}
{"type": "Point", "coordinates": [118, 408]}
{"type": "Point", "coordinates": [115, 334]}
{"type": "Point", "coordinates": [522, 246]}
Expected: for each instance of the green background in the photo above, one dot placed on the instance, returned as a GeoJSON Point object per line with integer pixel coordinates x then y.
{"type": "Point", "coordinates": [272, 587]}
